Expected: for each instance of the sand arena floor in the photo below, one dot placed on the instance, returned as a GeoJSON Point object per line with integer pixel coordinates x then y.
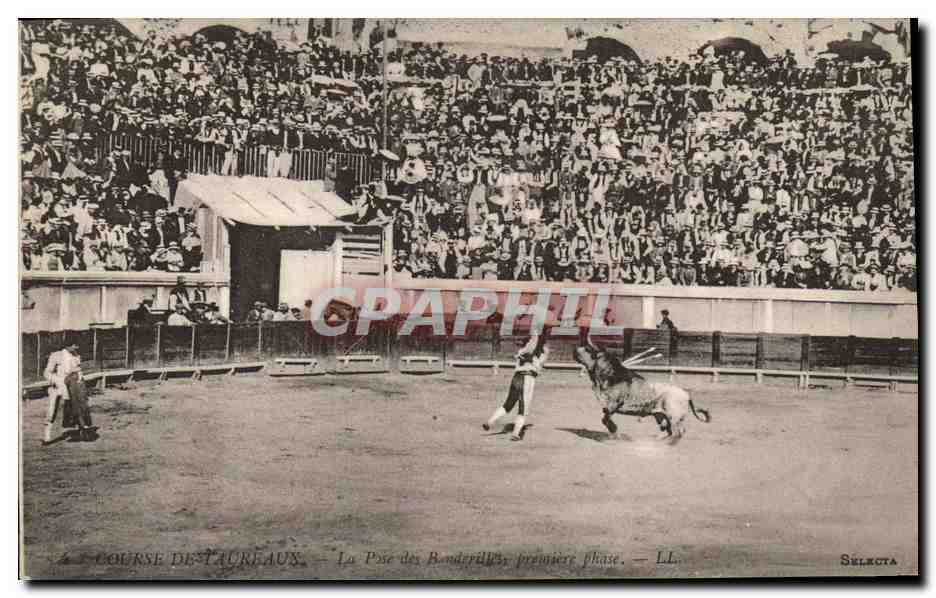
{"type": "Point", "coordinates": [391, 476]}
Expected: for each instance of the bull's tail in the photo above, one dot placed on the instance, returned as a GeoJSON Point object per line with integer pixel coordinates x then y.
{"type": "Point", "coordinates": [706, 417]}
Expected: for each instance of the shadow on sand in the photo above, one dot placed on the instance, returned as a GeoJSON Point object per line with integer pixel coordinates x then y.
{"type": "Point", "coordinates": [508, 429]}
{"type": "Point", "coordinates": [595, 435]}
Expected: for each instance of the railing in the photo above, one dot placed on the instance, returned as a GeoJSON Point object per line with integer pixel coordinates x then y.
{"type": "Point", "coordinates": [207, 158]}
{"type": "Point", "coordinates": [138, 347]}
{"type": "Point", "coordinates": [129, 348]}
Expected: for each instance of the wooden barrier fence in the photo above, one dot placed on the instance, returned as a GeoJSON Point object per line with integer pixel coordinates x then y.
{"type": "Point", "coordinates": [106, 349]}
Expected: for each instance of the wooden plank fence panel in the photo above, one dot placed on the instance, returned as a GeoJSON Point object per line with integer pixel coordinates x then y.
{"type": "Point", "coordinates": [693, 349]}
{"type": "Point", "coordinates": [874, 355]}
{"type": "Point", "coordinates": [477, 343]}
{"type": "Point", "coordinates": [142, 347]}
{"type": "Point", "coordinates": [375, 343]}
{"type": "Point", "coordinates": [31, 370]}
{"type": "Point", "coordinates": [907, 358]}
{"type": "Point", "coordinates": [422, 342]}
{"type": "Point", "coordinates": [176, 345]}
{"type": "Point", "coordinates": [112, 347]}
{"type": "Point", "coordinates": [738, 350]}
{"type": "Point", "coordinates": [825, 353]}
{"type": "Point", "coordinates": [210, 342]}
{"type": "Point", "coordinates": [317, 345]}
{"type": "Point", "coordinates": [244, 342]}
{"type": "Point", "coordinates": [782, 351]}
{"type": "Point", "coordinates": [284, 339]}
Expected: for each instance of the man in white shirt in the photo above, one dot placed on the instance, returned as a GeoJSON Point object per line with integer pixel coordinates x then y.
{"type": "Point", "coordinates": [66, 393]}
{"type": "Point", "coordinates": [282, 313]}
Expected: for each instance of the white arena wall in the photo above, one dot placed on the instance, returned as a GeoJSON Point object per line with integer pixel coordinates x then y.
{"type": "Point", "coordinates": [76, 300]}
{"type": "Point", "coordinates": [708, 309]}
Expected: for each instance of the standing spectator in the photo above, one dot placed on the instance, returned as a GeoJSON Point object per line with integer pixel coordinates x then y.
{"type": "Point", "coordinates": [143, 314]}
{"type": "Point", "coordinates": [665, 322]}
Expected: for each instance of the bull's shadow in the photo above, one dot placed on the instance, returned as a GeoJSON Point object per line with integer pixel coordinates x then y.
{"type": "Point", "coordinates": [595, 435]}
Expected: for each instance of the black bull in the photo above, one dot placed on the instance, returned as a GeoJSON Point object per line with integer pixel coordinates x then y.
{"type": "Point", "coordinates": [626, 392]}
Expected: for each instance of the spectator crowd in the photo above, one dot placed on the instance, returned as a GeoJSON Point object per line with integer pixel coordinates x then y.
{"type": "Point", "coordinates": [716, 170]}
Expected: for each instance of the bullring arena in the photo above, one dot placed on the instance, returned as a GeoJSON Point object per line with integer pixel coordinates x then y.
{"type": "Point", "coordinates": [206, 202]}
{"type": "Point", "coordinates": [302, 477]}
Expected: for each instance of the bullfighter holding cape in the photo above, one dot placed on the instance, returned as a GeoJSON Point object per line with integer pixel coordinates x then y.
{"type": "Point", "coordinates": [67, 394]}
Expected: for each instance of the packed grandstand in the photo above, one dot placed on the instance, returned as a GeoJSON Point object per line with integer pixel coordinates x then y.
{"type": "Point", "coordinates": [724, 168]}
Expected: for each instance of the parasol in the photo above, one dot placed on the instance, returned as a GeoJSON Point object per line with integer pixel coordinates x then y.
{"type": "Point", "coordinates": [605, 49]}
{"type": "Point", "coordinates": [727, 45]}
{"type": "Point", "coordinates": [858, 50]}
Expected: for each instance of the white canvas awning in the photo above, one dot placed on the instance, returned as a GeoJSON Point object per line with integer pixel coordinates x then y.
{"type": "Point", "coordinates": [264, 201]}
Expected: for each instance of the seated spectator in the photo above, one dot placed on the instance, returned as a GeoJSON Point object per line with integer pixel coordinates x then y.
{"type": "Point", "coordinates": [282, 313]}
{"type": "Point", "coordinates": [178, 317]}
